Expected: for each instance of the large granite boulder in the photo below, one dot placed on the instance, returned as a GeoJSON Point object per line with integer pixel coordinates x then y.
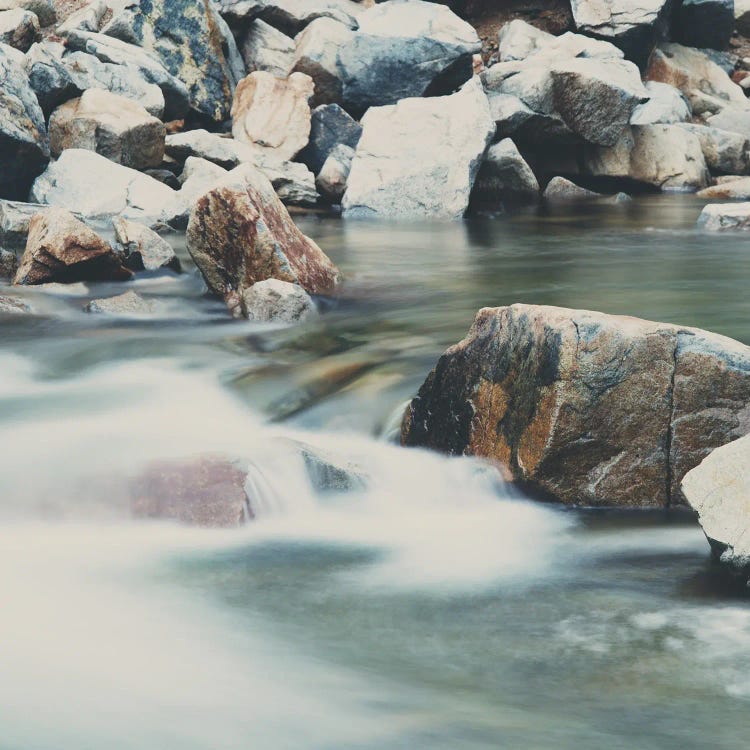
{"type": "Point", "coordinates": [704, 23]}
{"type": "Point", "coordinates": [330, 126]}
{"type": "Point", "coordinates": [272, 115]}
{"type": "Point", "coordinates": [420, 157]}
{"type": "Point", "coordinates": [666, 105]}
{"type": "Point", "coordinates": [708, 88]}
{"type": "Point", "coordinates": [111, 125]}
{"type": "Point", "coordinates": [239, 233]}
{"type": "Point", "coordinates": [18, 28]}
{"type": "Point", "coordinates": [24, 146]}
{"type": "Point", "coordinates": [405, 49]}
{"type": "Point", "coordinates": [634, 27]}
{"type": "Point", "coordinates": [725, 152]}
{"type": "Point", "coordinates": [62, 249]}
{"type": "Point", "coordinates": [185, 36]}
{"type": "Point", "coordinates": [120, 191]}
{"type": "Point", "coordinates": [720, 217]}
{"type": "Point", "coordinates": [113, 51]}
{"type": "Point", "coordinates": [667, 157]}
{"type": "Point", "coordinates": [504, 176]}
{"type": "Point", "coordinates": [734, 188]}
{"type": "Point", "coordinates": [584, 407]}
{"type": "Point", "coordinates": [718, 489]}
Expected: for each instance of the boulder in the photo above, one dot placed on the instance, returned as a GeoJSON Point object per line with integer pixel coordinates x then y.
{"type": "Point", "coordinates": [90, 17]}
{"type": "Point", "coordinates": [330, 126]}
{"type": "Point", "coordinates": [185, 36]}
{"type": "Point", "coordinates": [718, 489]}
{"type": "Point", "coordinates": [198, 176]}
{"type": "Point", "coordinates": [704, 23]}
{"type": "Point", "coordinates": [420, 157]}
{"type": "Point", "coordinates": [275, 301]}
{"type": "Point", "coordinates": [316, 54]}
{"type": "Point", "coordinates": [732, 119]}
{"type": "Point", "coordinates": [291, 16]}
{"type": "Point", "coordinates": [707, 87]}
{"type": "Point", "coordinates": [126, 304]}
{"type": "Point", "coordinates": [119, 190]}
{"type": "Point", "coordinates": [667, 105]}
{"type": "Point", "coordinates": [111, 125]}
{"type": "Point", "coordinates": [207, 491]}
{"type": "Point", "coordinates": [268, 49]}
{"type": "Point", "coordinates": [332, 178]}
{"type": "Point", "coordinates": [272, 115]}
{"type": "Point", "coordinates": [725, 152]}
{"type": "Point", "coordinates": [667, 157]}
{"type": "Point", "coordinates": [13, 306]}
{"type": "Point", "coordinates": [633, 27]}
{"type": "Point", "coordinates": [293, 182]}
{"type": "Point", "coordinates": [8, 263]}
{"type": "Point", "coordinates": [18, 28]}
{"type": "Point", "coordinates": [88, 72]}
{"type": "Point", "coordinates": [107, 49]}
{"type": "Point", "coordinates": [44, 10]}
{"type": "Point", "coordinates": [719, 217]}
{"type": "Point", "coordinates": [60, 248]}
{"type": "Point", "coordinates": [15, 217]}
{"type": "Point", "coordinates": [144, 249]}
{"type": "Point", "coordinates": [736, 189]}
{"type": "Point", "coordinates": [559, 190]}
{"type": "Point", "coordinates": [49, 78]}
{"type": "Point", "coordinates": [24, 146]}
{"type": "Point", "coordinates": [742, 16]}
{"type": "Point", "coordinates": [518, 40]}
{"type": "Point", "coordinates": [504, 176]}
{"type": "Point", "coordinates": [240, 233]}
{"type": "Point", "coordinates": [584, 407]}
{"type": "Point", "coordinates": [405, 49]}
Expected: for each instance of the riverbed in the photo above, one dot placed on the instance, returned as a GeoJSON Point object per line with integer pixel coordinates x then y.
{"type": "Point", "coordinates": [436, 608]}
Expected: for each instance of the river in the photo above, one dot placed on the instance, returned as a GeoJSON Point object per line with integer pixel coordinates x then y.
{"type": "Point", "coordinates": [437, 608]}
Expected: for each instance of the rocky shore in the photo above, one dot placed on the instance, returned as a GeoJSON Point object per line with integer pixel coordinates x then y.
{"type": "Point", "coordinates": [123, 124]}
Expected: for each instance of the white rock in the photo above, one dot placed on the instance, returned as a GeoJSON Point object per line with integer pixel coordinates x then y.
{"type": "Point", "coordinates": [735, 189]}
{"type": "Point", "coordinates": [518, 40]}
{"type": "Point", "coordinates": [18, 28]}
{"type": "Point", "coordinates": [127, 304]}
{"type": "Point", "coordinates": [725, 152]}
{"type": "Point", "coordinates": [267, 48]}
{"type": "Point", "coordinates": [559, 189]}
{"type": "Point", "coordinates": [420, 157]}
{"type": "Point", "coordinates": [331, 180]}
{"type": "Point", "coordinates": [278, 301]}
{"type": "Point", "coordinates": [144, 249]}
{"type": "Point", "coordinates": [666, 105]}
{"type": "Point", "coordinates": [719, 490]}
{"type": "Point", "coordinates": [717, 217]}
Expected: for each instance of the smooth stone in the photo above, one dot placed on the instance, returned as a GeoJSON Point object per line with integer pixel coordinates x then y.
{"type": "Point", "coordinates": [720, 217]}
{"type": "Point", "coordinates": [667, 105]}
{"type": "Point", "coordinates": [332, 178]}
{"type": "Point", "coordinates": [504, 176]}
{"type": "Point", "coordinates": [275, 301]}
{"type": "Point", "coordinates": [126, 304]}
{"type": "Point", "coordinates": [560, 189]}
{"type": "Point", "coordinates": [736, 189]}
{"type": "Point", "coordinates": [144, 249]}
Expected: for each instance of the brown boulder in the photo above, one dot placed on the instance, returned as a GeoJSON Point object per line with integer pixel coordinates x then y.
{"type": "Point", "coordinates": [240, 233]}
{"type": "Point", "coordinates": [585, 407]}
{"type": "Point", "coordinates": [61, 248]}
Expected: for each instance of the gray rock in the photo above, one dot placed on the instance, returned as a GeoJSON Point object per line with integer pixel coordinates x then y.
{"type": "Point", "coordinates": [235, 63]}
{"type": "Point", "coordinates": [666, 105]}
{"type": "Point", "coordinates": [44, 10]}
{"type": "Point", "coordinates": [719, 490]}
{"type": "Point", "coordinates": [332, 178]}
{"type": "Point", "coordinates": [107, 49]}
{"type": "Point", "coordinates": [8, 263]}
{"type": "Point", "coordinates": [719, 217]}
{"type": "Point", "coordinates": [13, 306]}
{"type": "Point", "coordinates": [634, 27]}
{"type": "Point", "coordinates": [88, 72]}
{"type": "Point", "coordinates": [518, 40]}
{"type": "Point", "coordinates": [504, 176]}
{"type": "Point", "coordinates": [742, 16]}
{"type": "Point", "coordinates": [144, 249]}
{"type": "Point", "coordinates": [198, 176]}
{"type": "Point", "coordinates": [725, 152]}
{"type": "Point", "coordinates": [704, 23]}
{"type": "Point", "coordinates": [588, 408]}
{"type": "Point", "coordinates": [127, 304]}
{"type": "Point", "coordinates": [48, 76]}
{"type": "Point", "coordinates": [14, 223]}
{"type": "Point", "coordinates": [420, 157]}
{"type": "Point", "coordinates": [120, 191]}
{"type": "Point", "coordinates": [24, 145]}
{"type": "Point", "coordinates": [278, 301]}
{"type": "Point", "coordinates": [668, 157]}
{"type": "Point", "coordinates": [294, 183]}
{"type": "Point", "coordinates": [330, 126]}
{"type": "Point", "coordinates": [18, 28]}
{"type": "Point", "coordinates": [405, 49]}
{"type": "Point", "coordinates": [266, 48]}
{"type": "Point", "coordinates": [90, 17]}
{"type": "Point", "coordinates": [192, 49]}
{"type": "Point", "coordinates": [560, 189]}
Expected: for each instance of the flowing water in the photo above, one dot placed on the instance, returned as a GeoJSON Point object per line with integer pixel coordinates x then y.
{"type": "Point", "coordinates": [435, 607]}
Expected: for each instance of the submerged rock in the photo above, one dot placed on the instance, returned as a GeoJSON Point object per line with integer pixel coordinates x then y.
{"type": "Point", "coordinates": [588, 408]}
{"type": "Point", "coordinates": [420, 157]}
{"type": "Point", "coordinates": [272, 115]}
{"type": "Point", "coordinates": [60, 248]}
{"type": "Point", "coordinates": [560, 189]}
{"type": "Point", "coordinates": [13, 306]}
{"type": "Point", "coordinates": [240, 233]}
{"type": "Point", "coordinates": [115, 127]}
{"type": "Point", "coordinates": [24, 146]}
{"type": "Point", "coordinates": [126, 304]}
{"type": "Point", "coordinates": [144, 249]}
{"type": "Point", "coordinates": [719, 490]}
{"type": "Point", "coordinates": [275, 301]}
